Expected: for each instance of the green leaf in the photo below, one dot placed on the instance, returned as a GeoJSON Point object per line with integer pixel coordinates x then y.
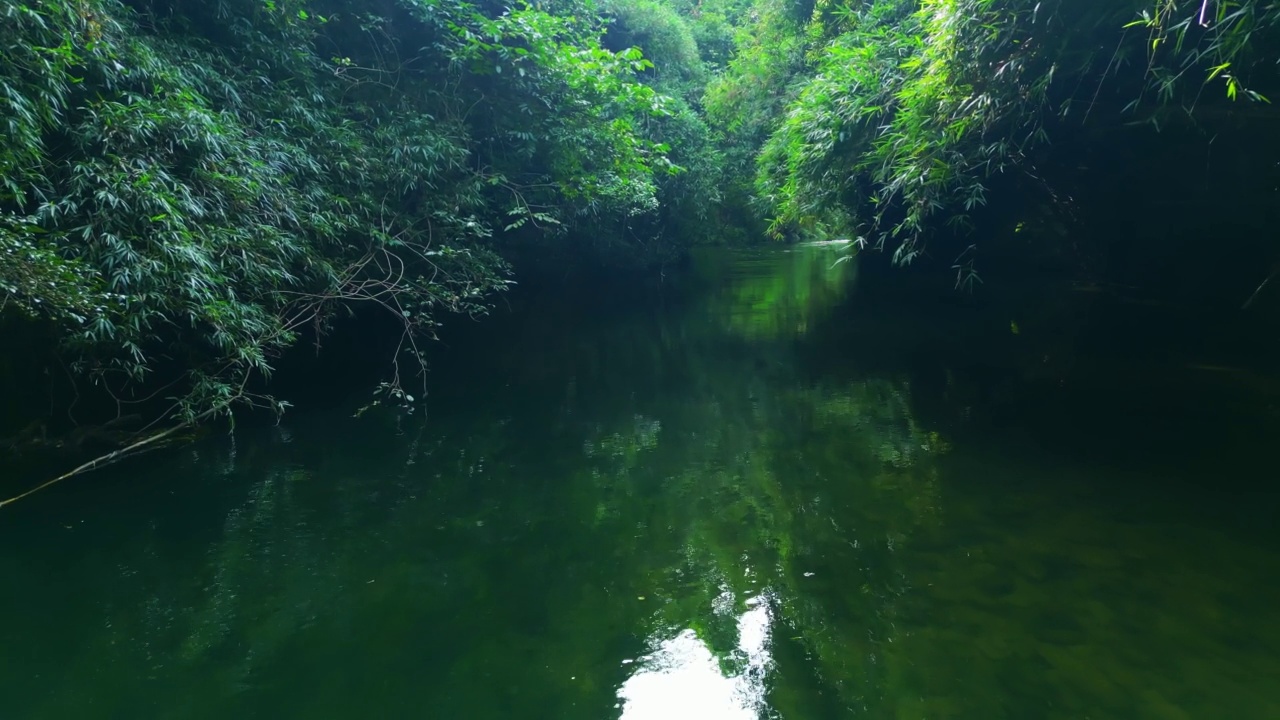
{"type": "Point", "coordinates": [1215, 71]}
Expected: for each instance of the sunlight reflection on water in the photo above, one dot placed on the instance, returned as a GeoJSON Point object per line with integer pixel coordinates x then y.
{"type": "Point", "coordinates": [681, 678]}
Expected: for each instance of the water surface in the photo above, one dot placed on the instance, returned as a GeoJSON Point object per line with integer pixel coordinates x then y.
{"type": "Point", "coordinates": [751, 492]}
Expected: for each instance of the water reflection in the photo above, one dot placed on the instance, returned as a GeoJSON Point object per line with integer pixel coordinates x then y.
{"type": "Point", "coordinates": [672, 487]}
{"type": "Point", "coordinates": [683, 680]}
{"type": "Point", "coordinates": [776, 295]}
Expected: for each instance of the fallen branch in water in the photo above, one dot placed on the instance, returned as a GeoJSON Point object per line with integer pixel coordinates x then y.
{"type": "Point", "coordinates": [1254, 296]}
{"type": "Point", "coordinates": [113, 456]}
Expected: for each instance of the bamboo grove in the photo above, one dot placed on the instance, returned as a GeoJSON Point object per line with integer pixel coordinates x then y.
{"type": "Point", "coordinates": [187, 189]}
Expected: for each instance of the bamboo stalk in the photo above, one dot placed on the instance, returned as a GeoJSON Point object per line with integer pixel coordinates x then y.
{"type": "Point", "coordinates": [113, 456]}
{"type": "Point", "coordinates": [1254, 296]}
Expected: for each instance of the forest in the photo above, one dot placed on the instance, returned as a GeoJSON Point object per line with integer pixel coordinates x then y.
{"type": "Point", "coordinates": [192, 189]}
{"type": "Point", "coordinates": [639, 359]}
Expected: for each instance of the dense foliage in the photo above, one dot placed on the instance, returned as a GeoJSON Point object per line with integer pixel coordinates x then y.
{"type": "Point", "coordinates": [188, 187]}
{"type": "Point", "coordinates": [890, 118]}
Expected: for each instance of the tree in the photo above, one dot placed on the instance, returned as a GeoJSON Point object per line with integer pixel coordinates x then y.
{"type": "Point", "coordinates": [190, 189]}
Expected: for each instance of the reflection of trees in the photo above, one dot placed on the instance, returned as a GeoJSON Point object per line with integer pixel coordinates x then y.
{"type": "Point", "coordinates": [189, 625]}
{"type": "Point", "coordinates": [637, 488]}
{"type": "Point", "coordinates": [865, 483]}
{"type": "Point", "coordinates": [271, 577]}
{"type": "Point", "coordinates": [804, 498]}
{"type": "Point", "coordinates": [315, 546]}
{"type": "Point", "coordinates": [774, 295]}
{"type": "Point", "coordinates": [649, 474]}
{"type": "Point", "coordinates": [1046, 600]}
{"type": "Point", "coordinates": [760, 486]}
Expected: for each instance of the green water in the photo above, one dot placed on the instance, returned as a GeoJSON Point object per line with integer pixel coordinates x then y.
{"type": "Point", "coordinates": [751, 491]}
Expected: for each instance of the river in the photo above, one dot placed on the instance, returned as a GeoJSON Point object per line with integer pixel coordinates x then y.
{"type": "Point", "coordinates": [748, 492]}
